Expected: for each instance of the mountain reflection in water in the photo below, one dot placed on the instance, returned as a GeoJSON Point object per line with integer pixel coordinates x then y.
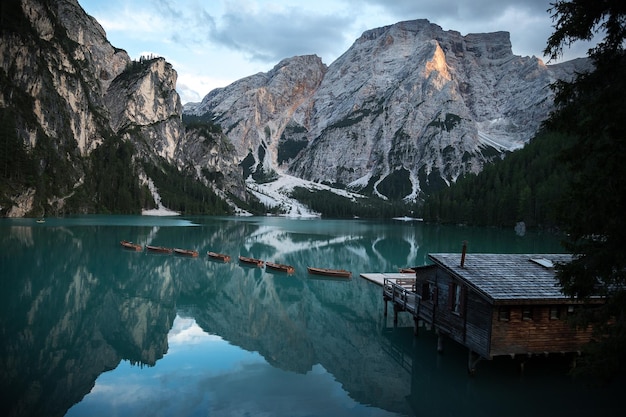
{"type": "Point", "coordinates": [97, 330]}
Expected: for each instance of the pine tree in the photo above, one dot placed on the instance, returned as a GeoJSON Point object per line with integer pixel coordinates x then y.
{"type": "Point", "coordinates": [592, 112]}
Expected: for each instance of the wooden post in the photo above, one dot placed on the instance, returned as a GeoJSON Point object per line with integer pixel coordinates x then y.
{"type": "Point", "coordinates": [463, 254]}
{"type": "Point", "coordinates": [385, 299]}
{"type": "Point", "coordinates": [415, 328]}
{"type": "Point", "coordinates": [472, 362]}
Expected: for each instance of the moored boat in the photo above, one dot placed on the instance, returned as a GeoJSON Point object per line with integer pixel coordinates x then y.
{"type": "Point", "coordinates": [251, 261]}
{"type": "Point", "coordinates": [280, 267]}
{"type": "Point", "coordinates": [342, 273]}
{"type": "Point", "coordinates": [130, 245]}
{"type": "Point", "coordinates": [186, 252]}
{"type": "Point", "coordinates": [219, 256]}
{"type": "Point", "coordinates": [158, 249]}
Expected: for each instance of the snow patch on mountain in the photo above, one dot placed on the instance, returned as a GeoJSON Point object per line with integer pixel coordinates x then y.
{"type": "Point", "coordinates": [277, 194]}
{"type": "Point", "coordinates": [161, 210]}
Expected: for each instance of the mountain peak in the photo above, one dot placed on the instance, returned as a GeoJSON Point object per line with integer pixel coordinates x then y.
{"type": "Point", "coordinates": [418, 26]}
{"type": "Point", "coordinates": [408, 101]}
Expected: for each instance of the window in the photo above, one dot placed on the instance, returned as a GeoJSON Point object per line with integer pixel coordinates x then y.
{"type": "Point", "coordinates": [456, 298]}
{"type": "Point", "coordinates": [527, 313]}
{"type": "Point", "coordinates": [555, 313]}
{"type": "Point", "coordinates": [504, 313]}
{"type": "Point", "coordinates": [425, 291]}
{"type": "Point", "coordinates": [428, 291]}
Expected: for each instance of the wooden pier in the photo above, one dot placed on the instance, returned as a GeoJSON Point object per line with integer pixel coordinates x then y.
{"type": "Point", "coordinates": [379, 278]}
{"type": "Point", "coordinates": [399, 288]}
{"type": "Point", "coordinates": [401, 292]}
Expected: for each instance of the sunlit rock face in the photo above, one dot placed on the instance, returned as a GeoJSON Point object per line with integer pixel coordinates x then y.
{"type": "Point", "coordinates": [409, 99]}
{"type": "Point", "coordinates": [144, 103]}
{"type": "Point", "coordinates": [254, 112]}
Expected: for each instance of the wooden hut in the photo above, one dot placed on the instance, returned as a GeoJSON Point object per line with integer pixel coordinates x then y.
{"type": "Point", "coordinates": [494, 304]}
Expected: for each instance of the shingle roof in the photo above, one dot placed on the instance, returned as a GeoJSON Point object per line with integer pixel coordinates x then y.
{"type": "Point", "coordinates": [507, 277]}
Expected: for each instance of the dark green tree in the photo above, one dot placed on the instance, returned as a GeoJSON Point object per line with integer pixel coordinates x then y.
{"type": "Point", "coordinates": [591, 111]}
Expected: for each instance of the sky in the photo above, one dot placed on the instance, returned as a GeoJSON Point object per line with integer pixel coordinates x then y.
{"type": "Point", "coordinates": [203, 374]}
{"type": "Point", "coordinates": [212, 43]}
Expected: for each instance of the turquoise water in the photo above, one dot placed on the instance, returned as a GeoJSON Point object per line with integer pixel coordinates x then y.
{"type": "Point", "coordinates": [91, 329]}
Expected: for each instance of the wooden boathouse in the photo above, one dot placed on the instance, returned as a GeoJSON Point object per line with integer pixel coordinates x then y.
{"type": "Point", "coordinates": [494, 304]}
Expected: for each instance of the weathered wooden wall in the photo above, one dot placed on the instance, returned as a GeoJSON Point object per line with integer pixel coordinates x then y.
{"type": "Point", "coordinates": [471, 326]}
{"type": "Point", "coordinates": [478, 325]}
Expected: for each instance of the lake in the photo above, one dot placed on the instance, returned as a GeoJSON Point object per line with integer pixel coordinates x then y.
{"type": "Point", "coordinates": [91, 329]}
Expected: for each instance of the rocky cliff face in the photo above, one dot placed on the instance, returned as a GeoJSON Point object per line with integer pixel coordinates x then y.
{"type": "Point", "coordinates": [214, 159]}
{"type": "Point", "coordinates": [408, 103]}
{"type": "Point", "coordinates": [57, 60]}
{"type": "Point", "coordinates": [255, 111]}
{"type": "Point", "coordinates": [143, 103]}
{"type": "Point", "coordinates": [67, 91]}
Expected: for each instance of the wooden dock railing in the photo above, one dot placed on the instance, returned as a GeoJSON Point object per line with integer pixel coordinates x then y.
{"type": "Point", "coordinates": [401, 291]}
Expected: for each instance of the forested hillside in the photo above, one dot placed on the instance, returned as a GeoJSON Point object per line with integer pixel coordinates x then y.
{"type": "Point", "coordinates": [525, 186]}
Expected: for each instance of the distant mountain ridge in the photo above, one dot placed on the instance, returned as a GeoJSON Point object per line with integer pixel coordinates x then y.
{"type": "Point", "coordinates": [408, 103]}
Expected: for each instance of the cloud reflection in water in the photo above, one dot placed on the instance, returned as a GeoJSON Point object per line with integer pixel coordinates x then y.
{"type": "Point", "coordinates": [203, 374]}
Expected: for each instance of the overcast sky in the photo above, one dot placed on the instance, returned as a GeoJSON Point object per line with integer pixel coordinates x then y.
{"type": "Point", "coordinates": [212, 43]}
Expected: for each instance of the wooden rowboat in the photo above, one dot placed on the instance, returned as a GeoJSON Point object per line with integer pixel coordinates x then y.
{"type": "Point", "coordinates": [186, 252]}
{"type": "Point", "coordinates": [251, 261]}
{"type": "Point", "coordinates": [158, 249]}
{"type": "Point", "coordinates": [280, 267]}
{"type": "Point", "coordinates": [130, 245]}
{"type": "Point", "coordinates": [219, 256]}
{"type": "Point", "coordinates": [329, 272]}
{"type": "Point", "coordinates": [407, 270]}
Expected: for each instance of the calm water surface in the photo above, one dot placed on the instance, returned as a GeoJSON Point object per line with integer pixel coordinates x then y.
{"type": "Point", "coordinates": [90, 329]}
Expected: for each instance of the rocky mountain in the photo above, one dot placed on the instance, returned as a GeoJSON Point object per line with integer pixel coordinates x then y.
{"type": "Point", "coordinates": [407, 108]}
{"type": "Point", "coordinates": [83, 118]}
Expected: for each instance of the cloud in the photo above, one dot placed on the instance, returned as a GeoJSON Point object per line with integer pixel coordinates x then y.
{"type": "Point", "coordinates": [528, 21]}
{"type": "Point", "coordinates": [135, 23]}
{"type": "Point", "coordinates": [185, 331]}
{"type": "Point", "coordinates": [169, 8]}
{"type": "Point", "coordinates": [272, 36]}
{"type": "Point", "coordinates": [214, 43]}
{"type": "Point", "coordinates": [458, 10]}
{"type": "Point", "coordinates": [270, 32]}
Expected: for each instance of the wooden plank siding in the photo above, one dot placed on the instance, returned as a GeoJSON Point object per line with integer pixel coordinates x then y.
{"type": "Point", "coordinates": [537, 335]}
{"type": "Point", "coordinates": [470, 326]}
{"type": "Point", "coordinates": [479, 319]}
